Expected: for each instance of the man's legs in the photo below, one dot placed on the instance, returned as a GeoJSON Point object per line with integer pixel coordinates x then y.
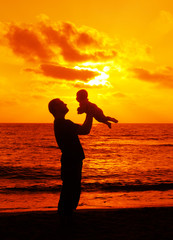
{"type": "Point", "coordinates": [65, 201]}
{"type": "Point", "coordinates": [71, 188]}
{"type": "Point", "coordinates": [77, 184]}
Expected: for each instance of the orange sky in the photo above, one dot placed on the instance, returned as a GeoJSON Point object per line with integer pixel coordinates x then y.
{"type": "Point", "coordinates": [119, 51]}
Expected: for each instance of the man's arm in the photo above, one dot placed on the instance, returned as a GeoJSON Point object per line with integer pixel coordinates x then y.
{"type": "Point", "coordinates": [85, 128]}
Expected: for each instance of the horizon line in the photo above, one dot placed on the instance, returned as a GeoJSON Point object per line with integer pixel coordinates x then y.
{"type": "Point", "coordinates": [93, 123]}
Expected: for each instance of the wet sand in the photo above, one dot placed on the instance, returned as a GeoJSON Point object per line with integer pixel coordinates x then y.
{"type": "Point", "coordinates": [90, 224]}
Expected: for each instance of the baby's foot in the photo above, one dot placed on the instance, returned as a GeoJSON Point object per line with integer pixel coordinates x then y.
{"type": "Point", "coordinates": [116, 121]}
{"type": "Point", "coordinates": [109, 124]}
{"type": "Point", "coordinates": [112, 119]}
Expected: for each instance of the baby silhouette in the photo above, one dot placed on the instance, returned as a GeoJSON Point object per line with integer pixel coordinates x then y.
{"type": "Point", "coordinates": [88, 107]}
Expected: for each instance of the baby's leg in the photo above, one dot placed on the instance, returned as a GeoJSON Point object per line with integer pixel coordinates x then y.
{"type": "Point", "coordinates": [112, 119]}
{"type": "Point", "coordinates": [103, 119]}
{"type": "Point", "coordinates": [108, 123]}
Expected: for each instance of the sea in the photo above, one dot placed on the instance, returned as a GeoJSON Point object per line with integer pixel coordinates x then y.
{"type": "Point", "coordinates": [127, 166]}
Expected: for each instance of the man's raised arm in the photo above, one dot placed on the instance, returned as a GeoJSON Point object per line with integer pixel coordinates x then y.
{"type": "Point", "coordinates": [85, 128]}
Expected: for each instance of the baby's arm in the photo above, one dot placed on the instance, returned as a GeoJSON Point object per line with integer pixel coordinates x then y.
{"type": "Point", "coordinates": [81, 109]}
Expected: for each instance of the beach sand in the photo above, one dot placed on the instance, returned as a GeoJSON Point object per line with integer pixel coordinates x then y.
{"type": "Point", "coordinates": [90, 224]}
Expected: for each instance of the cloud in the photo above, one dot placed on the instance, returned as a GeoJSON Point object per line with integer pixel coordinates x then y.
{"type": "Point", "coordinates": [58, 48]}
{"type": "Point", "coordinates": [60, 72]}
{"type": "Point", "coordinates": [27, 44]}
{"type": "Point", "coordinates": [73, 42]}
{"type": "Point", "coordinates": [84, 39]}
{"type": "Point", "coordinates": [60, 39]}
{"type": "Point", "coordinates": [134, 51]}
{"type": "Point", "coordinates": [63, 44]}
{"type": "Point", "coordinates": [164, 77]}
{"type": "Point", "coordinates": [119, 95]}
{"type": "Point", "coordinates": [67, 73]}
{"type": "Point", "coordinates": [38, 97]}
{"type": "Point", "coordinates": [46, 42]}
{"type": "Point", "coordinates": [80, 84]}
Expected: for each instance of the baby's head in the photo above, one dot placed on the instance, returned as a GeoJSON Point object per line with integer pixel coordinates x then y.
{"type": "Point", "coordinates": [82, 95]}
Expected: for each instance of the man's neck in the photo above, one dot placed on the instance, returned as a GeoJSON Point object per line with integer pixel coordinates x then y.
{"type": "Point", "coordinates": [60, 116]}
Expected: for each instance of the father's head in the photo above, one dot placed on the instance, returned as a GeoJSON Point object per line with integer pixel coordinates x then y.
{"type": "Point", "coordinates": [57, 107]}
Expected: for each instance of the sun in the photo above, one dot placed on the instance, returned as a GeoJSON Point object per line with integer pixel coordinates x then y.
{"type": "Point", "coordinates": [101, 79]}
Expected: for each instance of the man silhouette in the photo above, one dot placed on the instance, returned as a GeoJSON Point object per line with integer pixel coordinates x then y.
{"type": "Point", "coordinates": [66, 134]}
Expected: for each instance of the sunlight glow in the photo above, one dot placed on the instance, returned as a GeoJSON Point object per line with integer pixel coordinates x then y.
{"type": "Point", "coordinates": [86, 64]}
{"type": "Point", "coordinates": [106, 69]}
{"type": "Point", "coordinates": [98, 80]}
{"type": "Point", "coordinates": [118, 68]}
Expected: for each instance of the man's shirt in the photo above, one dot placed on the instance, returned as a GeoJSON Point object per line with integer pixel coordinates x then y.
{"type": "Point", "coordinates": [67, 139]}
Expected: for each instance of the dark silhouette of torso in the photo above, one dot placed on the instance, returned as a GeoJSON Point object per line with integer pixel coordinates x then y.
{"type": "Point", "coordinates": [67, 139]}
{"type": "Point", "coordinates": [71, 164]}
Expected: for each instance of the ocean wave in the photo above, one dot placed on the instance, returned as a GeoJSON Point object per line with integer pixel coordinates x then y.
{"type": "Point", "coordinates": [92, 187]}
{"type": "Point", "coordinates": [51, 146]}
{"type": "Point", "coordinates": [32, 189]}
{"type": "Point", "coordinates": [45, 146]}
{"type": "Point", "coordinates": [145, 144]}
{"type": "Point", "coordinates": [109, 187]}
{"type": "Point", "coordinates": [165, 145]}
{"type": "Point", "coordinates": [28, 173]}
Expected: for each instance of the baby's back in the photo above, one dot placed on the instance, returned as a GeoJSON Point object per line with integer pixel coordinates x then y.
{"type": "Point", "coordinates": [96, 112]}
